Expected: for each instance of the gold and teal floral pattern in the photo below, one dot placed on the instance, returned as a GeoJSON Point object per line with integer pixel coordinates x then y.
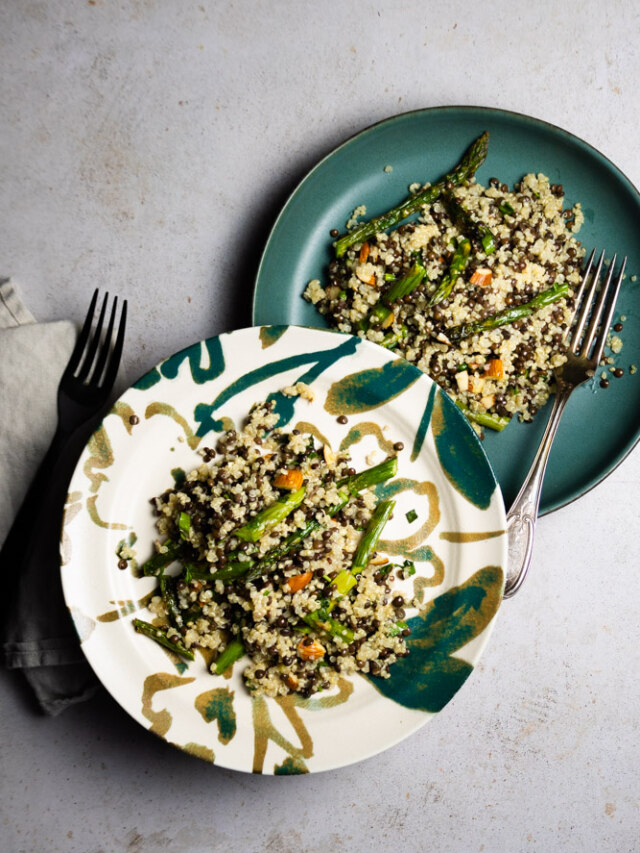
{"type": "Point", "coordinates": [153, 435]}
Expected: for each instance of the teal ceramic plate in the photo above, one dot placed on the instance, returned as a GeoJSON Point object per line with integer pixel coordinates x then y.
{"type": "Point", "coordinates": [457, 543]}
{"type": "Point", "coordinates": [600, 426]}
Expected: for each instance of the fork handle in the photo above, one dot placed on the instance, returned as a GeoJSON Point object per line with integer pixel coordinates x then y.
{"type": "Point", "coordinates": [27, 519]}
{"type": "Point", "coordinates": [522, 517]}
{"type": "Point", "coordinates": [31, 549]}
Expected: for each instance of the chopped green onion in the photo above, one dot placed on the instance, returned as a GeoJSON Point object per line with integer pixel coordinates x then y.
{"type": "Point", "coordinates": [321, 619]}
{"type": "Point", "coordinates": [411, 515]}
{"type": "Point", "coordinates": [155, 565]}
{"type": "Point", "coordinates": [160, 636]}
{"type": "Point", "coordinates": [184, 525]}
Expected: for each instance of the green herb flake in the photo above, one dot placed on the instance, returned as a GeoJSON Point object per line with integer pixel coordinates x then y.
{"type": "Point", "coordinates": [409, 568]}
{"type": "Point", "coordinates": [411, 516]}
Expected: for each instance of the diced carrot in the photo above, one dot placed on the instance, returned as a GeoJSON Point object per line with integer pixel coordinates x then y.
{"type": "Point", "coordinates": [310, 649]}
{"type": "Point", "coordinates": [388, 321]}
{"type": "Point", "coordinates": [495, 368]}
{"type": "Point", "coordinates": [298, 582]}
{"type": "Point", "coordinates": [481, 277]}
{"type": "Point", "coordinates": [364, 252]}
{"type": "Point", "coordinates": [372, 281]}
{"type": "Point", "coordinates": [290, 478]}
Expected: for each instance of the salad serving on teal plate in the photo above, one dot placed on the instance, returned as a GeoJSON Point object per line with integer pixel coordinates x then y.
{"type": "Point", "coordinates": [455, 237]}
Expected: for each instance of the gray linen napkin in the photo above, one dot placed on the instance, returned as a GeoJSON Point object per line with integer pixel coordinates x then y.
{"type": "Point", "coordinates": [37, 635]}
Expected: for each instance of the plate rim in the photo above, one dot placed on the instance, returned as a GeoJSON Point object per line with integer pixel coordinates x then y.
{"type": "Point", "coordinates": [482, 640]}
{"type": "Point", "coordinates": [468, 108]}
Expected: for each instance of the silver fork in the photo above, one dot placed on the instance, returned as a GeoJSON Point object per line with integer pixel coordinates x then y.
{"type": "Point", "coordinates": [585, 350]}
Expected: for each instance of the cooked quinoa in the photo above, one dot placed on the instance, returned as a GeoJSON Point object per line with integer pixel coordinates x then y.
{"type": "Point", "coordinates": [500, 372]}
{"type": "Point", "coordinates": [286, 651]}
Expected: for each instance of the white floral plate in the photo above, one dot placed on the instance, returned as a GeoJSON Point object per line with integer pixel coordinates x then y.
{"type": "Point", "coordinates": [457, 543]}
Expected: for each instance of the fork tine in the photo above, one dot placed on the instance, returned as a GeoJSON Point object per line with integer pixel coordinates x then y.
{"type": "Point", "coordinates": [583, 284]}
{"type": "Point", "coordinates": [78, 349]}
{"type": "Point", "coordinates": [116, 352]}
{"type": "Point", "coordinates": [583, 310]}
{"type": "Point", "coordinates": [606, 322]}
{"type": "Point", "coordinates": [93, 344]}
{"type": "Point", "coordinates": [105, 347]}
{"type": "Point", "coordinates": [594, 321]}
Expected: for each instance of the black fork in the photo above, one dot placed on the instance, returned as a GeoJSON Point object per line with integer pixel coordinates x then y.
{"type": "Point", "coordinates": [88, 379]}
{"type": "Point", "coordinates": [31, 549]}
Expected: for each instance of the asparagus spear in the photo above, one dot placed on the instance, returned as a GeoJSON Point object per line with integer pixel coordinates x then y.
{"type": "Point", "coordinates": [405, 285]}
{"type": "Point", "coordinates": [509, 315]}
{"type": "Point", "coordinates": [369, 540]}
{"type": "Point", "coordinates": [400, 288]}
{"type": "Point", "coordinates": [233, 652]}
{"type": "Point", "coordinates": [349, 488]}
{"type": "Point", "coordinates": [461, 217]}
{"type": "Point", "coordinates": [457, 266]}
{"type": "Point", "coordinates": [230, 572]}
{"type": "Point", "coordinates": [155, 564]}
{"type": "Point", "coordinates": [252, 568]}
{"type": "Point", "coordinates": [470, 163]}
{"type": "Point", "coordinates": [170, 601]}
{"type": "Point", "coordinates": [160, 637]}
{"type": "Point", "coordinates": [347, 579]}
{"type": "Point", "coordinates": [371, 476]}
{"type": "Point", "coordinates": [486, 419]}
{"type": "Point", "coordinates": [270, 516]}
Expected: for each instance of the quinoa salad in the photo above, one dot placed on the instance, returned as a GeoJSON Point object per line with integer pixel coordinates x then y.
{"type": "Point", "coordinates": [267, 554]}
{"type": "Point", "coordinates": [476, 291]}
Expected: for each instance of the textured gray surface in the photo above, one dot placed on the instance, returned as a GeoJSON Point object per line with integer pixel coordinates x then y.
{"type": "Point", "coordinates": [148, 146]}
